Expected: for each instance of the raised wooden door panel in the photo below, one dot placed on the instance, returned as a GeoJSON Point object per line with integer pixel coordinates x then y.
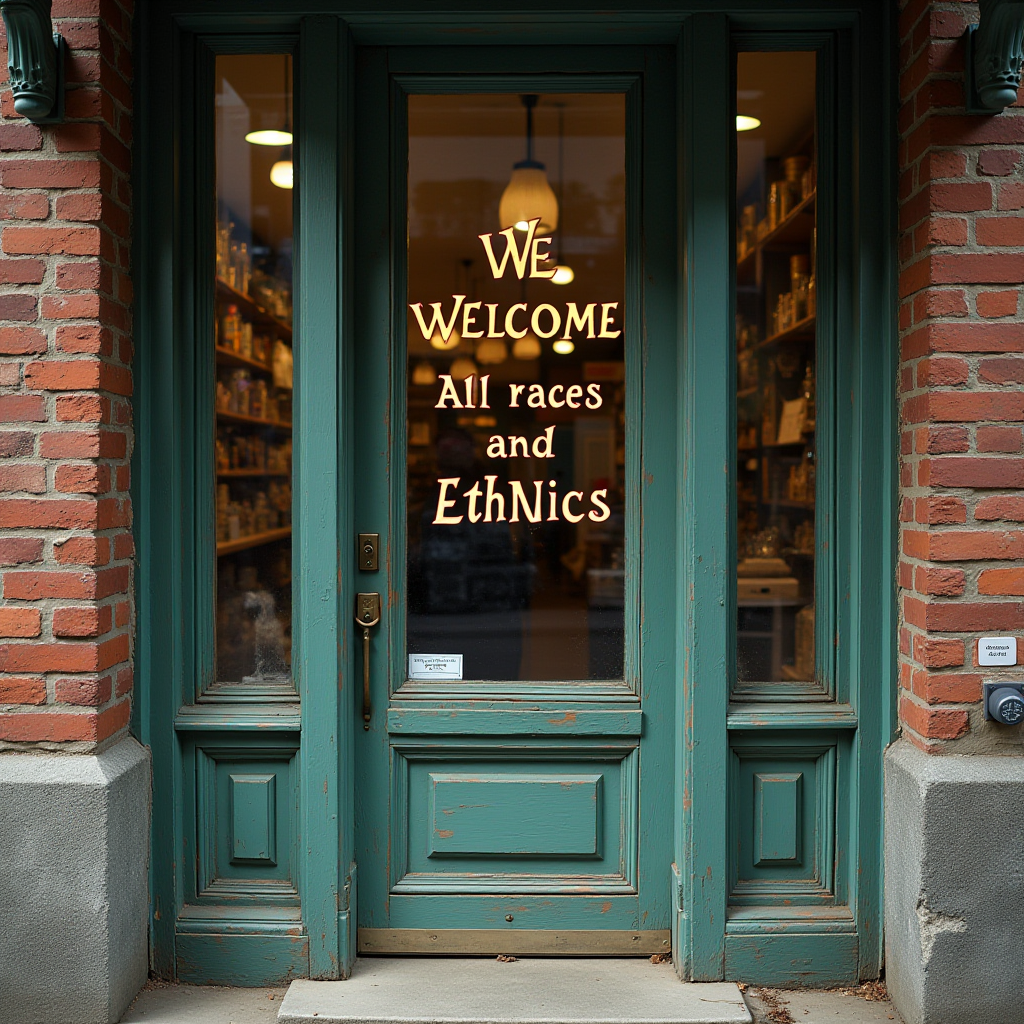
{"type": "Point", "coordinates": [502, 805]}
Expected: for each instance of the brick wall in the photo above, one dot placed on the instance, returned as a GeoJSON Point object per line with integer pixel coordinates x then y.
{"type": "Point", "coordinates": [65, 381]}
{"type": "Point", "coordinates": [961, 573]}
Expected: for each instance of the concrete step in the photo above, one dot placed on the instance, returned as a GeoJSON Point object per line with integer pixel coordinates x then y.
{"type": "Point", "coordinates": [542, 991]}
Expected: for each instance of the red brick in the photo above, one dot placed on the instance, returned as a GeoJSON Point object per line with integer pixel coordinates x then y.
{"type": "Point", "coordinates": [63, 657]}
{"type": "Point", "coordinates": [965, 617]}
{"type": "Point", "coordinates": [956, 471]}
{"type": "Point", "coordinates": [957, 407]}
{"type": "Point", "coordinates": [1001, 506]}
{"type": "Point", "coordinates": [125, 681]}
{"type": "Point", "coordinates": [972, 545]}
{"type": "Point", "coordinates": [19, 341]}
{"type": "Point", "coordinates": [940, 582]}
{"type": "Point", "coordinates": [62, 241]}
{"type": "Point", "coordinates": [963, 337]}
{"type": "Point", "coordinates": [72, 276]}
{"type": "Point", "coordinates": [124, 546]}
{"type": "Point", "coordinates": [77, 138]}
{"type": "Point", "coordinates": [20, 550]}
{"type": "Point", "coordinates": [83, 409]}
{"type": "Point", "coordinates": [934, 723]}
{"type": "Point", "coordinates": [1008, 370]}
{"type": "Point", "coordinates": [90, 479]}
{"type": "Point", "coordinates": [71, 307]}
{"type": "Point", "coordinates": [82, 622]}
{"type": "Point", "coordinates": [1011, 196]}
{"type": "Point", "coordinates": [999, 439]}
{"type": "Point", "coordinates": [22, 271]}
{"type": "Point", "coordinates": [14, 306]}
{"type": "Point", "coordinates": [24, 206]}
{"type": "Point", "coordinates": [14, 137]}
{"type": "Point", "coordinates": [940, 508]}
{"type": "Point", "coordinates": [50, 174]}
{"type": "Point", "coordinates": [22, 409]}
{"type": "Point", "coordinates": [89, 691]}
{"type": "Point", "coordinates": [85, 338]}
{"type": "Point", "coordinates": [947, 687]}
{"type": "Point", "coordinates": [1007, 582]}
{"type": "Point", "coordinates": [999, 231]}
{"type": "Point", "coordinates": [942, 372]}
{"type": "Point", "coordinates": [65, 727]}
{"type": "Point", "coordinates": [23, 478]}
{"type": "Point", "coordinates": [47, 513]}
{"type": "Point", "coordinates": [996, 304]}
{"type": "Point", "coordinates": [997, 162]}
{"type": "Point", "coordinates": [942, 440]}
{"type": "Point", "coordinates": [14, 690]}
{"type": "Point", "coordinates": [80, 206]}
{"type": "Point", "coordinates": [82, 551]}
{"type": "Point", "coordinates": [83, 444]}
{"type": "Point", "coordinates": [20, 622]}
{"type": "Point", "coordinates": [82, 375]}
{"type": "Point", "coordinates": [938, 652]}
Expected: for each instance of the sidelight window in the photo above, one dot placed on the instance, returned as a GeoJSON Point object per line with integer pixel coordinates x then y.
{"type": "Point", "coordinates": [777, 286]}
{"type": "Point", "coordinates": [253, 380]}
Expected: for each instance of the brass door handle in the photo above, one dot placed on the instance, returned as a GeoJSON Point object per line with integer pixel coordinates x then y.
{"type": "Point", "coordinates": [367, 615]}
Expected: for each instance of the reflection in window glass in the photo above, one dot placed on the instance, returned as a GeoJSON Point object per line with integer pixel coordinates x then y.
{"type": "Point", "coordinates": [516, 393]}
{"type": "Point", "coordinates": [253, 353]}
{"type": "Point", "coordinates": [775, 378]}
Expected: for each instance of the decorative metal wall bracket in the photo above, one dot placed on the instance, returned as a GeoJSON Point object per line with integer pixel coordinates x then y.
{"type": "Point", "coordinates": [35, 60]}
{"type": "Point", "coordinates": [994, 51]}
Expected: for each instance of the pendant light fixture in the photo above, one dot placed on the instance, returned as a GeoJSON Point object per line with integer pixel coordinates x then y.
{"type": "Point", "coordinates": [528, 194]}
{"type": "Point", "coordinates": [462, 368]}
{"type": "Point", "coordinates": [525, 348]}
{"type": "Point", "coordinates": [282, 173]}
{"type": "Point", "coordinates": [423, 374]}
{"type": "Point", "coordinates": [491, 352]}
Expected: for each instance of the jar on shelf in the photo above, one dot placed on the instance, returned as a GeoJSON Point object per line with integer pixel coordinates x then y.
{"type": "Point", "coordinates": [798, 282]}
{"type": "Point", "coordinates": [793, 168]}
{"type": "Point", "coordinates": [775, 192]}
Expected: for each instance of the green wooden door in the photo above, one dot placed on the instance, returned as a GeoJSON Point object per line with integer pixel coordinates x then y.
{"type": "Point", "coordinates": [515, 452]}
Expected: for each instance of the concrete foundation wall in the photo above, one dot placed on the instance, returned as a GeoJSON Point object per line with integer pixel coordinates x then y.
{"type": "Point", "coordinates": [74, 855]}
{"type": "Point", "coordinates": [954, 886]}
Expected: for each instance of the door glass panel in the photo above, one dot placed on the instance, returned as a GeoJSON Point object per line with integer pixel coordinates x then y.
{"type": "Point", "coordinates": [516, 384]}
{"type": "Point", "coordinates": [776, 291]}
{"type": "Point", "coordinates": [253, 355]}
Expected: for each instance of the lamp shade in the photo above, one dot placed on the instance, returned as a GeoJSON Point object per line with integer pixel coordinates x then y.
{"type": "Point", "coordinates": [528, 195]}
{"type": "Point", "coordinates": [281, 174]}
{"type": "Point", "coordinates": [423, 374]}
{"type": "Point", "coordinates": [270, 137]}
{"type": "Point", "coordinates": [462, 368]}
{"type": "Point", "coordinates": [490, 352]}
{"type": "Point", "coordinates": [437, 340]}
{"type": "Point", "coordinates": [526, 347]}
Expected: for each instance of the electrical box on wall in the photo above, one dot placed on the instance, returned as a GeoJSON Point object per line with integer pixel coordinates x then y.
{"type": "Point", "coordinates": [1004, 703]}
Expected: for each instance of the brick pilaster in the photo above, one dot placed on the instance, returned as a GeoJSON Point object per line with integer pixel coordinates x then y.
{"type": "Point", "coordinates": [961, 386]}
{"type": "Point", "coordinates": [65, 386]}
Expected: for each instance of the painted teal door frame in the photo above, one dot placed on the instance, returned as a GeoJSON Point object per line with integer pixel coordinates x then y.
{"type": "Point", "coordinates": [172, 632]}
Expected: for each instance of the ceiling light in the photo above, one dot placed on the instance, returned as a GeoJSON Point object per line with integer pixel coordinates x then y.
{"type": "Point", "coordinates": [526, 347]}
{"type": "Point", "coordinates": [424, 374]}
{"type": "Point", "coordinates": [563, 274]}
{"type": "Point", "coordinates": [528, 196]}
{"type": "Point", "coordinates": [282, 174]}
{"type": "Point", "coordinates": [490, 352]}
{"type": "Point", "coordinates": [745, 123]}
{"type": "Point", "coordinates": [270, 137]}
{"type": "Point", "coordinates": [437, 340]}
{"type": "Point", "coordinates": [563, 346]}
{"type": "Point", "coordinates": [462, 368]}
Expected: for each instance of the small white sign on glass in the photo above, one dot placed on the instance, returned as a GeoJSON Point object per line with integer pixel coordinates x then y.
{"type": "Point", "coordinates": [997, 650]}
{"type": "Point", "coordinates": [435, 666]}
